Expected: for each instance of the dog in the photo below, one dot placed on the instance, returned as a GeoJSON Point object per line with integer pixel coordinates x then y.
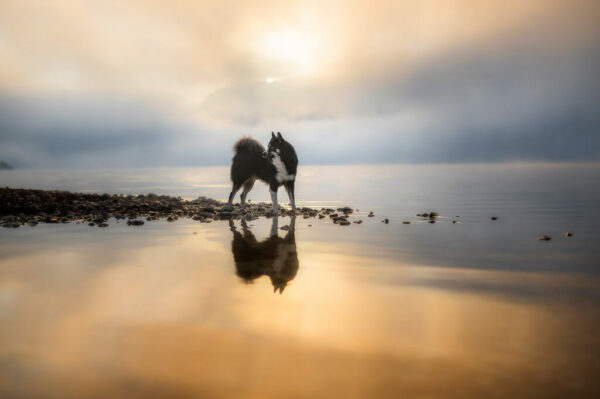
{"type": "Point", "coordinates": [276, 166]}
{"type": "Point", "coordinates": [274, 257]}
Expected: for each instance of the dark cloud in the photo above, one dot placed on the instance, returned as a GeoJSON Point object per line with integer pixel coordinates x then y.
{"type": "Point", "coordinates": [72, 131]}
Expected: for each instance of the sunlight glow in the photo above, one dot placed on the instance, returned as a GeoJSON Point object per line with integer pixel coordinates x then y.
{"type": "Point", "coordinates": [295, 51]}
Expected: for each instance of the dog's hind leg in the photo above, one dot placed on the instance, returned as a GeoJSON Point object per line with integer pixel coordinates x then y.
{"type": "Point", "coordinates": [289, 187]}
{"type": "Point", "coordinates": [247, 187]}
{"type": "Point", "coordinates": [234, 190]}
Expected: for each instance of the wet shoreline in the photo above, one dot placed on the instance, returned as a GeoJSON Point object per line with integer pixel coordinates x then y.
{"type": "Point", "coordinates": [19, 207]}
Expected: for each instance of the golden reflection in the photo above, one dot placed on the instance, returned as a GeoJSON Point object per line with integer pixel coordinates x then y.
{"type": "Point", "coordinates": [162, 315]}
{"type": "Point", "coordinates": [274, 257]}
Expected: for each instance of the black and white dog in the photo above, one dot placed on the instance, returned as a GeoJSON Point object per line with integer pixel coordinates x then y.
{"type": "Point", "coordinates": [276, 167]}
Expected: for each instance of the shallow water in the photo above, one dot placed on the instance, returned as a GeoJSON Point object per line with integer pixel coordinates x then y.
{"type": "Point", "coordinates": [480, 308]}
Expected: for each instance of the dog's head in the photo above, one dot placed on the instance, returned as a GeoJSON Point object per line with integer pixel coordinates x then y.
{"type": "Point", "coordinates": [275, 145]}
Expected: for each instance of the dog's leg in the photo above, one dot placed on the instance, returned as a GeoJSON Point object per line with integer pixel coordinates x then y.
{"type": "Point", "coordinates": [289, 187]}
{"type": "Point", "coordinates": [274, 201]}
{"type": "Point", "coordinates": [247, 187]}
{"type": "Point", "coordinates": [234, 190]}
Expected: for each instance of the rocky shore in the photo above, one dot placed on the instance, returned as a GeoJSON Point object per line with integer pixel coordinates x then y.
{"type": "Point", "coordinates": [19, 207]}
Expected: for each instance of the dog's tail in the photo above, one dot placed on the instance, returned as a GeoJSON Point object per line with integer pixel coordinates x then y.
{"type": "Point", "coordinates": [248, 145]}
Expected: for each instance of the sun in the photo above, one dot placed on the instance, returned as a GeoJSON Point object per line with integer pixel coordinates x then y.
{"type": "Point", "coordinates": [290, 51]}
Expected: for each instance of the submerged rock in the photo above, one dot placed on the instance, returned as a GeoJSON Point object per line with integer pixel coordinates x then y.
{"type": "Point", "coordinates": [135, 222]}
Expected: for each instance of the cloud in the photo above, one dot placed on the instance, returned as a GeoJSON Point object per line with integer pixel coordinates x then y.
{"type": "Point", "coordinates": [143, 83]}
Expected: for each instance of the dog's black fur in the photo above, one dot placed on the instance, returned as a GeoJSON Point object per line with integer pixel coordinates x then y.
{"type": "Point", "coordinates": [277, 167]}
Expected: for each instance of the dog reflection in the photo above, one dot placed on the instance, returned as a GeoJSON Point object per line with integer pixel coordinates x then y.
{"type": "Point", "coordinates": [275, 257]}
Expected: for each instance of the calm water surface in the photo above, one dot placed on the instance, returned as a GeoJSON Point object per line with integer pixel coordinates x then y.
{"type": "Point", "coordinates": [480, 308]}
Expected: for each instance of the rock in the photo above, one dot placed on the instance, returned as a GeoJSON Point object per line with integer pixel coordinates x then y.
{"type": "Point", "coordinates": [544, 238]}
{"type": "Point", "coordinates": [284, 227]}
{"type": "Point", "coordinates": [358, 221]}
{"type": "Point", "coordinates": [406, 222]}
{"type": "Point", "coordinates": [135, 222]}
{"type": "Point", "coordinates": [91, 224]}
{"type": "Point", "coordinates": [371, 214]}
{"type": "Point", "coordinates": [345, 209]}
{"type": "Point", "coordinates": [431, 221]}
{"type": "Point", "coordinates": [102, 224]}
{"type": "Point", "coordinates": [344, 223]}
{"type": "Point", "coordinates": [454, 222]}
{"type": "Point", "coordinates": [494, 218]}
{"type": "Point", "coordinates": [386, 221]}
{"type": "Point", "coordinates": [568, 234]}
{"type": "Point", "coordinates": [321, 216]}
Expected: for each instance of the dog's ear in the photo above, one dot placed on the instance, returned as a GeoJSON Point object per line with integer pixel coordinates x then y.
{"type": "Point", "coordinates": [272, 135]}
{"type": "Point", "coordinates": [279, 136]}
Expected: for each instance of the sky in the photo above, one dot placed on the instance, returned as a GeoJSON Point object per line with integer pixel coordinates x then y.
{"type": "Point", "coordinates": [128, 83]}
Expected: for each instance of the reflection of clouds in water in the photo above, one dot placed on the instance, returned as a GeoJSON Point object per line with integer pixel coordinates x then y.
{"type": "Point", "coordinates": [162, 315]}
{"type": "Point", "coordinates": [274, 257]}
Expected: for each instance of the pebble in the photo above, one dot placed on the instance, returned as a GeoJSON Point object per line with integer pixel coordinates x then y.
{"type": "Point", "coordinates": [135, 222]}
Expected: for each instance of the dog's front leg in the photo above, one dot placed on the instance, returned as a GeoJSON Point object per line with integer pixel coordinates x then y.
{"type": "Point", "coordinates": [274, 200]}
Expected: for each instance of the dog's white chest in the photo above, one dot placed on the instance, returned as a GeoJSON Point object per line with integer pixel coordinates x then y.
{"type": "Point", "coordinates": [282, 173]}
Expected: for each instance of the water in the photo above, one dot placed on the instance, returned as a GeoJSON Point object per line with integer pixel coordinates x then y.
{"type": "Point", "coordinates": [480, 308]}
